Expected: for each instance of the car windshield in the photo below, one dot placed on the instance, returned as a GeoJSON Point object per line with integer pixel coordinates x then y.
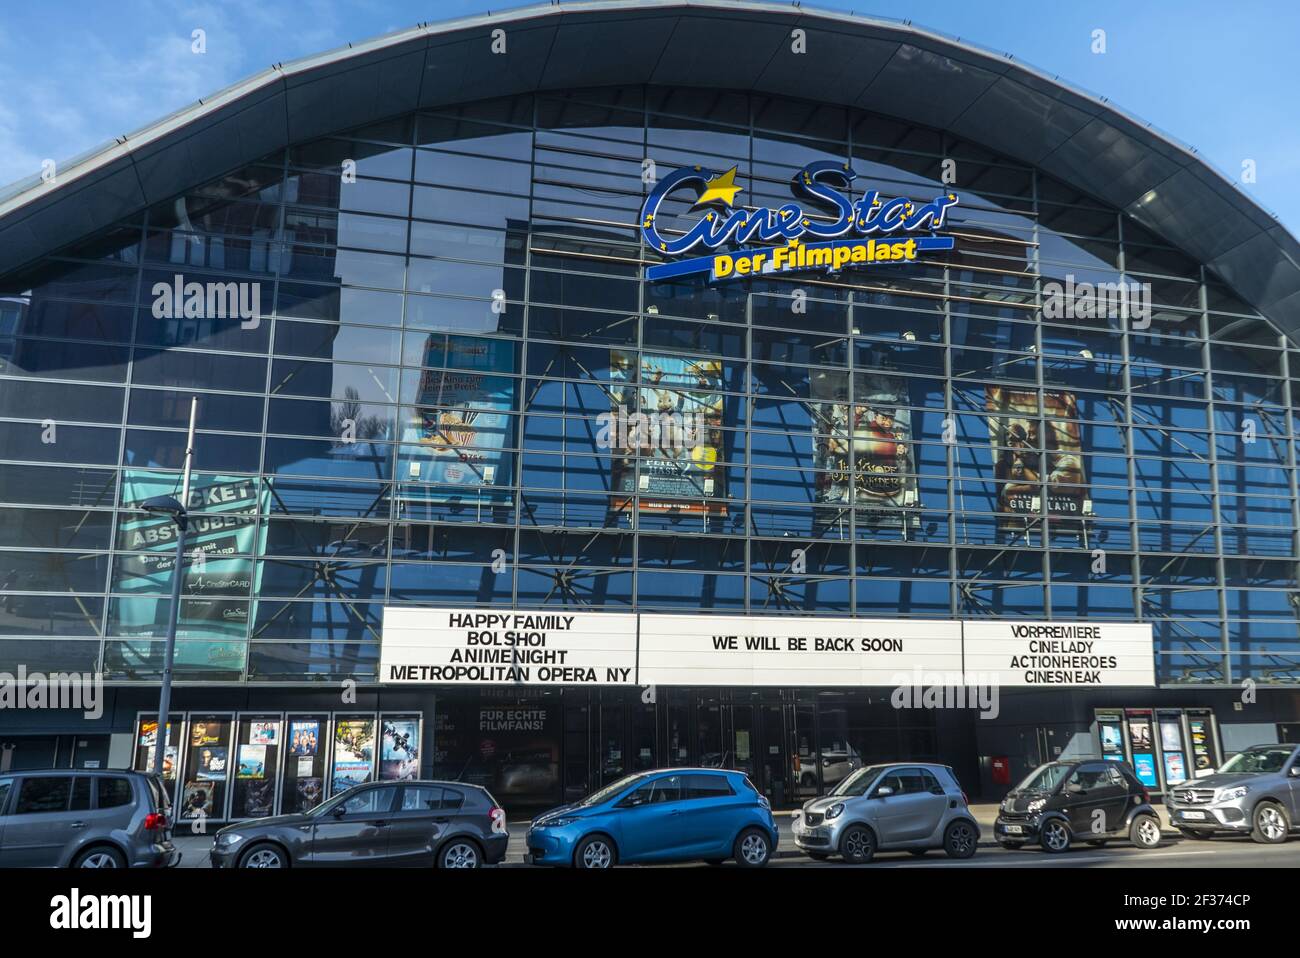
{"type": "Point", "coordinates": [595, 798]}
{"type": "Point", "coordinates": [1044, 778]}
{"type": "Point", "coordinates": [1258, 761]}
{"type": "Point", "coordinates": [858, 783]}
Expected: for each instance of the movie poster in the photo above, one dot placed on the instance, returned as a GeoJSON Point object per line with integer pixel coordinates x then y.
{"type": "Point", "coordinates": [212, 628]}
{"type": "Point", "coordinates": [308, 793]}
{"type": "Point", "coordinates": [304, 738]}
{"type": "Point", "coordinates": [252, 762]}
{"type": "Point", "coordinates": [211, 760]}
{"type": "Point", "coordinates": [879, 459]}
{"type": "Point", "coordinates": [457, 437]}
{"type": "Point", "coordinates": [354, 753]}
{"type": "Point", "coordinates": [1024, 460]}
{"type": "Point", "coordinates": [264, 733]}
{"type": "Point", "coordinates": [259, 796]}
{"type": "Point", "coordinates": [197, 800]}
{"type": "Point", "coordinates": [399, 759]}
{"type": "Point", "coordinates": [668, 412]}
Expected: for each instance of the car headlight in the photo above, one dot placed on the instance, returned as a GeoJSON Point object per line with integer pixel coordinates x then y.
{"type": "Point", "coordinates": [229, 838]}
{"type": "Point", "coordinates": [835, 811]}
{"type": "Point", "coordinates": [1036, 805]}
{"type": "Point", "coordinates": [1231, 794]}
{"type": "Point", "coordinates": [1008, 805]}
{"type": "Point", "coordinates": [559, 822]}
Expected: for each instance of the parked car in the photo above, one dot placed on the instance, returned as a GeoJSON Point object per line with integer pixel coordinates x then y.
{"type": "Point", "coordinates": [1256, 792]}
{"type": "Point", "coordinates": [902, 806]}
{"type": "Point", "coordinates": [84, 818]}
{"type": "Point", "coordinates": [1093, 801]}
{"type": "Point", "coordinates": [446, 824]}
{"type": "Point", "coordinates": [681, 814]}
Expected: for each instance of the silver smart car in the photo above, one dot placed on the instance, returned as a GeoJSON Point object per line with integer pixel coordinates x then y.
{"type": "Point", "coordinates": [902, 806]}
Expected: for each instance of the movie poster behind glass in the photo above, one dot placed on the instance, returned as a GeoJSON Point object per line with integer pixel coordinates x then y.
{"type": "Point", "coordinates": [208, 756]}
{"type": "Point", "coordinates": [212, 627]}
{"type": "Point", "coordinates": [668, 412]}
{"type": "Point", "coordinates": [399, 758]}
{"type": "Point", "coordinates": [256, 766]}
{"type": "Point", "coordinates": [354, 753]}
{"type": "Point", "coordinates": [457, 437]}
{"type": "Point", "coordinates": [869, 440]}
{"type": "Point", "coordinates": [1023, 460]}
{"type": "Point", "coordinates": [146, 740]}
{"type": "Point", "coordinates": [302, 782]}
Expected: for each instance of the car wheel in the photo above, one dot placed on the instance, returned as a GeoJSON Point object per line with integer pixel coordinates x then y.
{"type": "Point", "coordinates": [959, 840]}
{"type": "Point", "coordinates": [459, 854]}
{"type": "Point", "coordinates": [1271, 824]}
{"type": "Point", "coordinates": [1145, 831]}
{"type": "Point", "coordinates": [858, 845]}
{"type": "Point", "coordinates": [595, 851]}
{"type": "Point", "coordinates": [1054, 836]}
{"type": "Point", "coordinates": [753, 848]}
{"type": "Point", "coordinates": [101, 857]}
{"type": "Point", "coordinates": [808, 781]}
{"type": "Point", "coordinates": [264, 855]}
{"type": "Point", "coordinates": [1194, 834]}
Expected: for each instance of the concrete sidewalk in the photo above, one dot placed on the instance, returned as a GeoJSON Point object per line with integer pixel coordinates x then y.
{"type": "Point", "coordinates": [195, 847]}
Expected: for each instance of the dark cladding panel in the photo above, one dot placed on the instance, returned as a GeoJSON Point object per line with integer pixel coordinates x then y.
{"type": "Point", "coordinates": [355, 91]}
{"type": "Point", "coordinates": [1190, 212]}
{"type": "Point", "coordinates": [1258, 264]}
{"type": "Point", "coordinates": [840, 62]}
{"type": "Point", "coordinates": [615, 50]}
{"type": "Point", "coordinates": [925, 87]}
{"type": "Point", "coordinates": [1016, 120]}
{"type": "Point", "coordinates": [1108, 163]}
{"type": "Point", "coordinates": [82, 206]}
{"type": "Point", "coordinates": [464, 68]}
{"type": "Point", "coordinates": [721, 50]}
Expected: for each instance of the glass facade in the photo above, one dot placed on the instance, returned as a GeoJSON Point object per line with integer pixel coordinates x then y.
{"type": "Point", "coordinates": [452, 305]}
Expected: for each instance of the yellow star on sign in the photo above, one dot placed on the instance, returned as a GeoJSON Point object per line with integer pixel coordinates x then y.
{"type": "Point", "coordinates": [721, 189]}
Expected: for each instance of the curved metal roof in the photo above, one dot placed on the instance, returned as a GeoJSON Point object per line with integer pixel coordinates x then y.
{"type": "Point", "coordinates": [888, 67]}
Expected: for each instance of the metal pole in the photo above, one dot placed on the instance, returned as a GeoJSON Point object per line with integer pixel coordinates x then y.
{"type": "Point", "coordinates": [182, 523]}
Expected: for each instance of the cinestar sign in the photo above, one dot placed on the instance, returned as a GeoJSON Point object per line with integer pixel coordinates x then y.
{"type": "Point", "coordinates": [503, 646]}
{"type": "Point", "coordinates": [839, 232]}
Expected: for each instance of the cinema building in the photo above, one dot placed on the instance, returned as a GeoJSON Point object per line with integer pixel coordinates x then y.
{"type": "Point", "coordinates": [602, 386]}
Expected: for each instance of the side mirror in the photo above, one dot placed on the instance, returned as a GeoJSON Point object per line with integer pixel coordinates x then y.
{"type": "Point", "coordinates": [884, 791]}
{"type": "Point", "coordinates": [340, 810]}
{"type": "Point", "coordinates": [1295, 770]}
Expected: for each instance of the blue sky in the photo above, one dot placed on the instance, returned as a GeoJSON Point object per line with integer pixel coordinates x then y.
{"type": "Point", "coordinates": [1220, 77]}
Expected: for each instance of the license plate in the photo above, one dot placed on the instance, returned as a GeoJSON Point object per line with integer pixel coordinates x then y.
{"type": "Point", "coordinates": [1014, 830]}
{"type": "Point", "coordinates": [1198, 816]}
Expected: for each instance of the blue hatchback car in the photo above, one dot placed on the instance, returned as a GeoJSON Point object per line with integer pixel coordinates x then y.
{"type": "Point", "coordinates": [668, 815]}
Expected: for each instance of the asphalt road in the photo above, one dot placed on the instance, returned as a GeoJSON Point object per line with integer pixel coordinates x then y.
{"type": "Point", "coordinates": [1173, 852]}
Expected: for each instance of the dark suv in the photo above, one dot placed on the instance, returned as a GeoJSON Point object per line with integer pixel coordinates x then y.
{"type": "Point", "coordinates": [84, 818]}
{"type": "Point", "coordinates": [1091, 800]}
{"type": "Point", "coordinates": [447, 824]}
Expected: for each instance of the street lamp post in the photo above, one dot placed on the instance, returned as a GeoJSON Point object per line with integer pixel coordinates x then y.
{"type": "Point", "coordinates": [178, 511]}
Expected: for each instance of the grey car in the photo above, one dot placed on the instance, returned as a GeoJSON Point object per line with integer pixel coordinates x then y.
{"type": "Point", "coordinates": [395, 824]}
{"type": "Point", "coordinates": [84, 818]}
{"type": "Point", "coordinates": [902, 806]}
{"type": "Point", "coordinates": [1256, 792]}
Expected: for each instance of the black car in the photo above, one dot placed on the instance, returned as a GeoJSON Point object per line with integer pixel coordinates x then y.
{"type": "Point", "coordinates": [447, 824]}
{"type": "Point", "coordinates": [1092, 801]}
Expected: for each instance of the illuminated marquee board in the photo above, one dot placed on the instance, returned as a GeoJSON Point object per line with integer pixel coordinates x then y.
{"type": "Point", "coordinates": [839, 233]}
